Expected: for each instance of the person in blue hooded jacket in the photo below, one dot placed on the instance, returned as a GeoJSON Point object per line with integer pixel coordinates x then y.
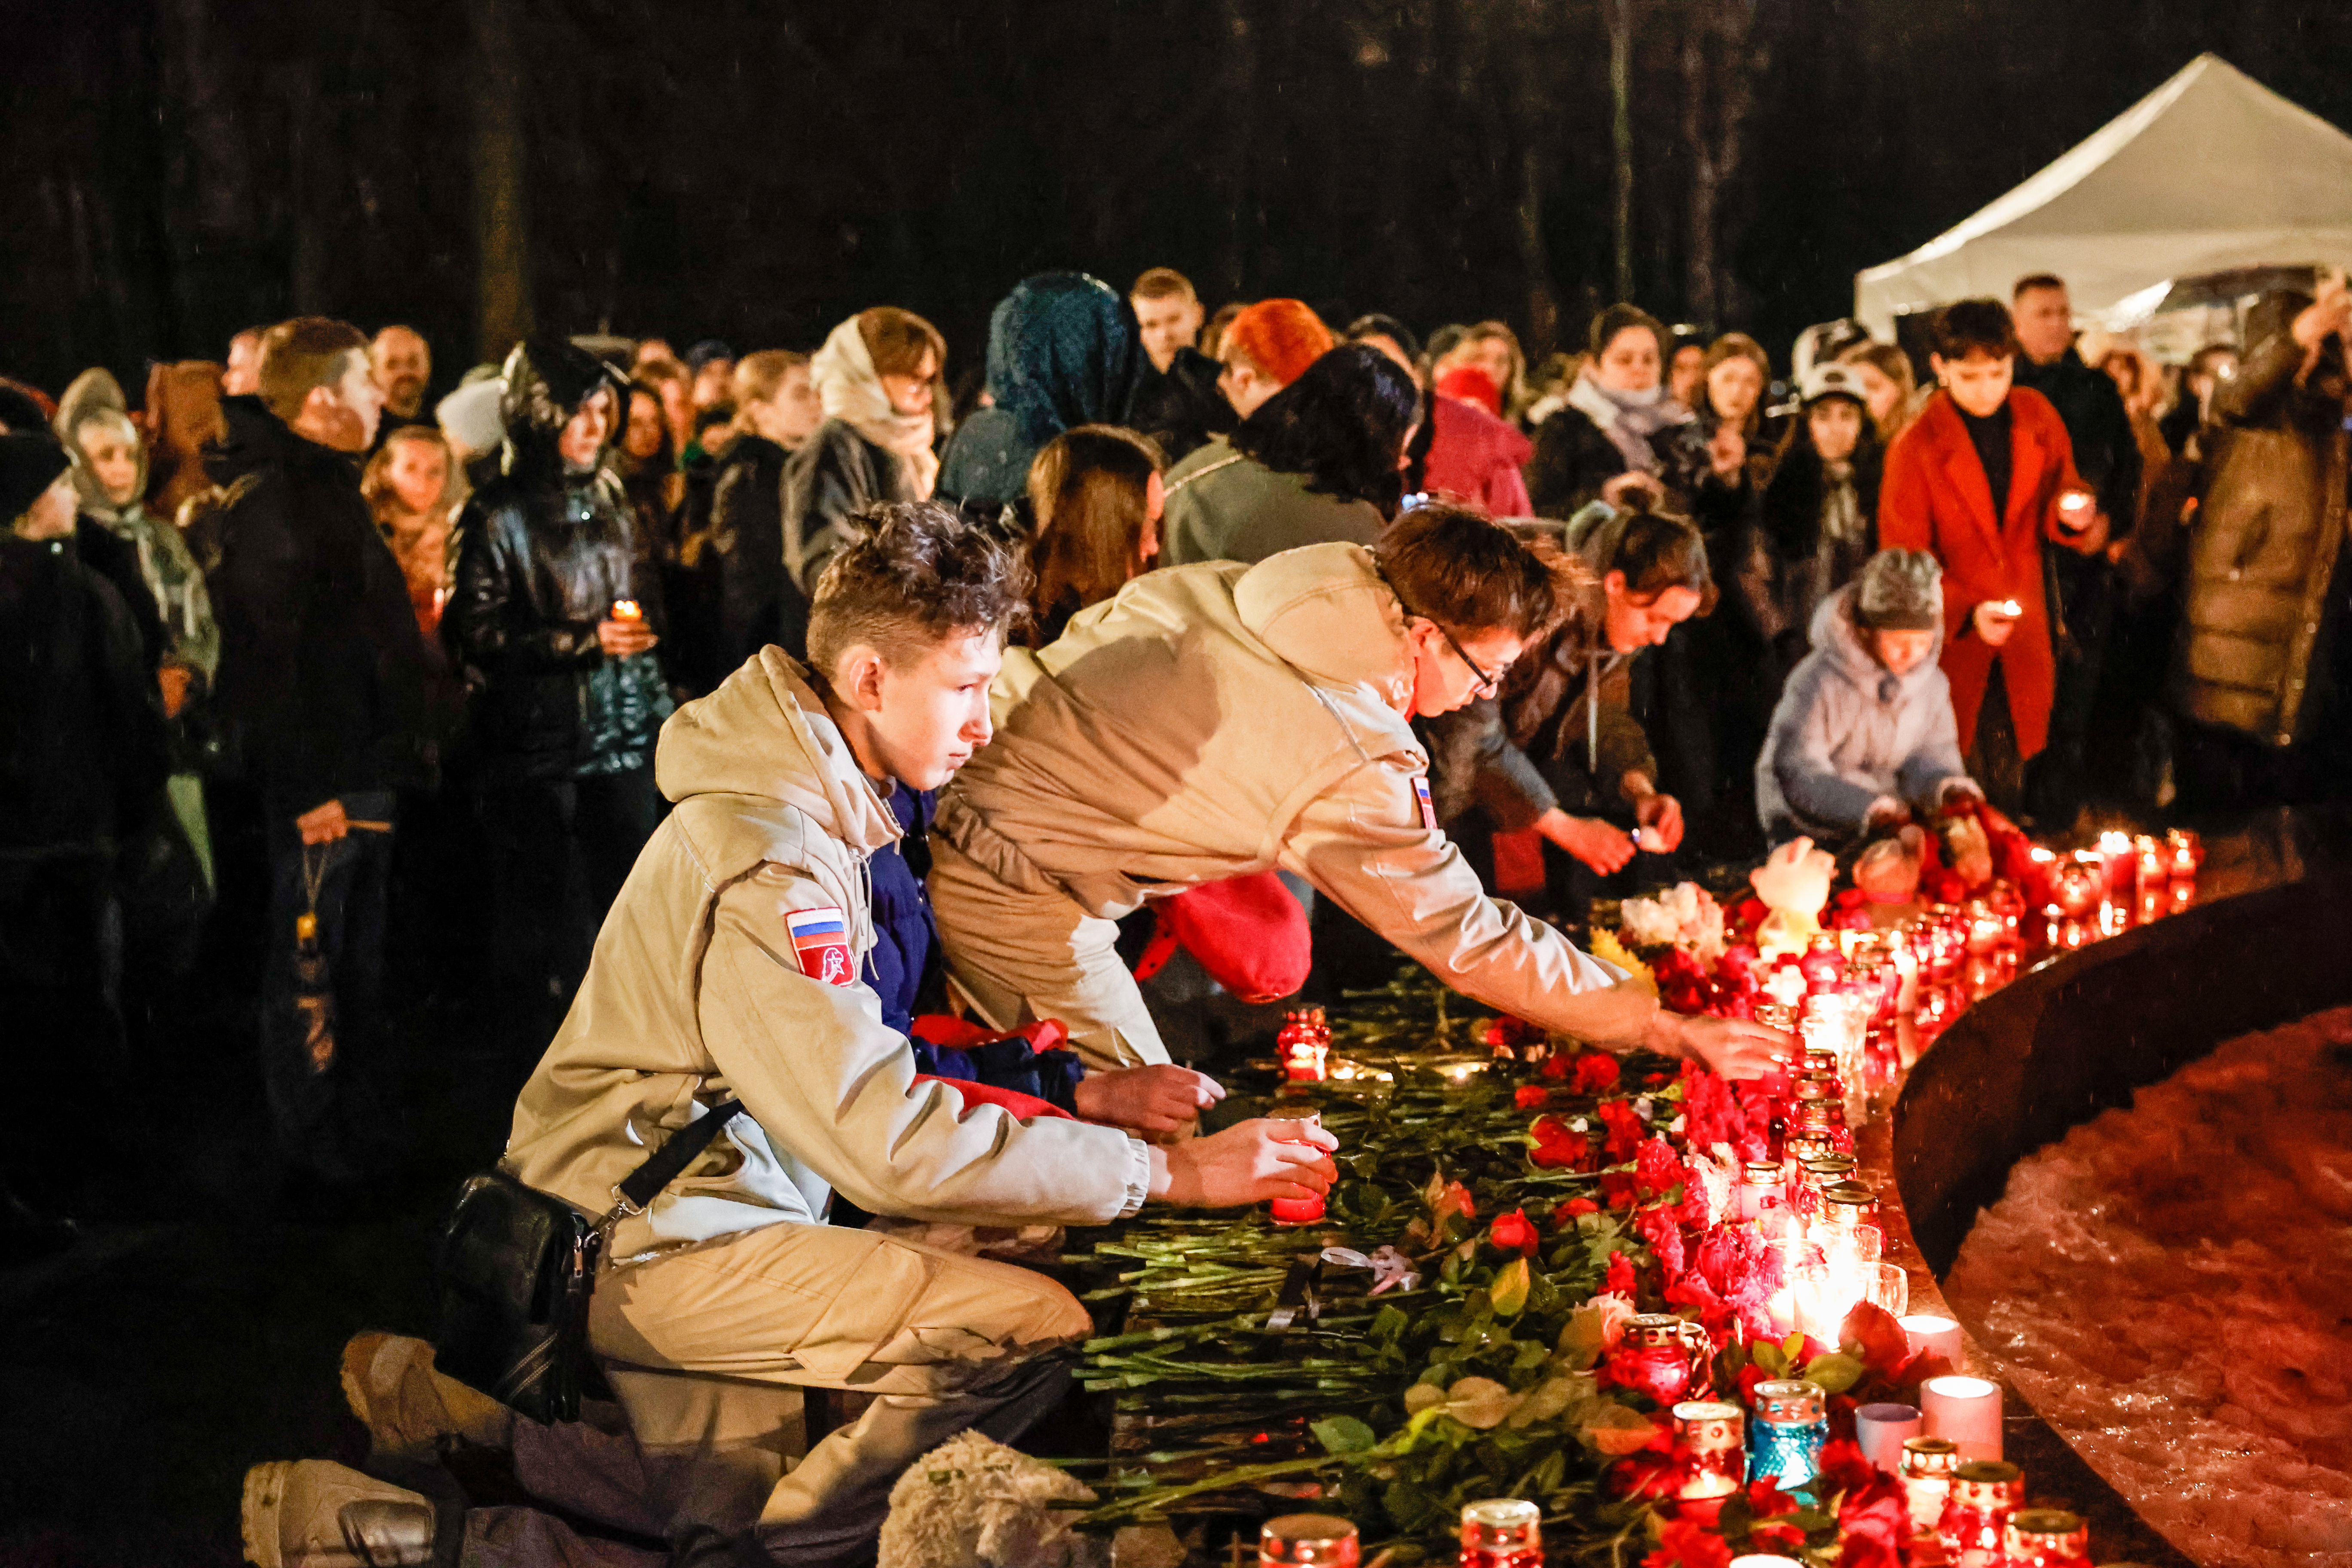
{"type": "Point", "coordinates": [1063, 352]}
{"type": "Point", "coordinates": [1864, 736]}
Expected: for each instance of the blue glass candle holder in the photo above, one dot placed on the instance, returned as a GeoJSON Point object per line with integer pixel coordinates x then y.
{"type": "Point", "coordinates": [1785, 1439]}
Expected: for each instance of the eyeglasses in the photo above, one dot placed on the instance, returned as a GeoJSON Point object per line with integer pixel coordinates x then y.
{"type": "Point", "coordinates": [1487, 685]}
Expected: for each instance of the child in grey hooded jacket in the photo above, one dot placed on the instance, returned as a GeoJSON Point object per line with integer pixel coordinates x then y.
{"type": "Point", "coordinates": [1863, 734]}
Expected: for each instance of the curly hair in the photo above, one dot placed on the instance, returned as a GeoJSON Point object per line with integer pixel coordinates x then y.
{"type": "Point", "coordinates": [916, 574]}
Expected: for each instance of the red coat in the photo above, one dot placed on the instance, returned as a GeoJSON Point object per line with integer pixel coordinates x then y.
{"type": "Point", "coordinates": [1936, 498]}
{"type": "Point", "coordinates": [1474, 457]}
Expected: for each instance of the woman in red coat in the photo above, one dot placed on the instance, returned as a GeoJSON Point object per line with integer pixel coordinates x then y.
{"type": "Point", "coordinates": [1978, 481]}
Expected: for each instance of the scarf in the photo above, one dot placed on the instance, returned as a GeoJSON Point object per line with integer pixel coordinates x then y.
{"type": "Point", "coordinates": [852, 392]}
{"type": "Point", "coordinates": [1628, 418]}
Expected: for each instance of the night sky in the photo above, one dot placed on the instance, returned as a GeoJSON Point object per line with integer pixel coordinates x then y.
{"type": "Point", "coordinates": [182, 168]}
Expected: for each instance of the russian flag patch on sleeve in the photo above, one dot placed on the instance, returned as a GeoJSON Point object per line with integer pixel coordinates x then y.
{"type": "Point", "coordinates": [821, 942]}
{"type": "Point", "coordinates": [1421, 797]}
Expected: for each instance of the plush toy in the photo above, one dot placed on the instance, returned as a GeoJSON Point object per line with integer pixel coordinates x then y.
{"type": "Point", "coordinates": [971, 1502]}
{"type": "Point", "coordinates": [1794, 881]}
{"type": "Point", "coordinates": [1888, 870]}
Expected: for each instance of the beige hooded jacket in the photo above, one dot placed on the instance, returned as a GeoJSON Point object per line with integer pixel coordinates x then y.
{"type": "Point", "coordinates": [695, 993]}
{"type": "Point", "coordinates": [1217, 720]}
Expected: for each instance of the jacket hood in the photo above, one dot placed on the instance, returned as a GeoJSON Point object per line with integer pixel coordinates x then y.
{"type": "Point", "coordinates": [545, 382]}
{"type": "Point", "coordinates": [96, 392]}
{"type": "Point", "coordinates": [1833, 629]}
{"type": "Point", "coordinates": [1326, 610]}
{"type": "Point", "coordinates": [765, 734]}
{"type": "Point", "coordinates": [1062, 352]}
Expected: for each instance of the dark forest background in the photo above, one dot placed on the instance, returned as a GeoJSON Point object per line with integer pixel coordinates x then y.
{"type": "Point", "coordinates": [178, 169]}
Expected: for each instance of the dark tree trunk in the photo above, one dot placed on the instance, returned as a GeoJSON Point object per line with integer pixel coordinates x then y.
{"type": "Point", "coordinates": [501, 168]}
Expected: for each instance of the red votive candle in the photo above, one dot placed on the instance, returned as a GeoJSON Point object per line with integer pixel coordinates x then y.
{"type": "Point", "coordinates": [1297, 1211]}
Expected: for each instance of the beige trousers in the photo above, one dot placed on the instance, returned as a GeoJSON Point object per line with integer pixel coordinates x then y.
{"type": "Point", "coordinates": [709, 1349]}
{"type": "Point", "coordinates": [1019, 957]}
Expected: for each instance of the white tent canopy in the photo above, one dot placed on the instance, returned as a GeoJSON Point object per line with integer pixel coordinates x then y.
{"type": "Point", "coordinates": [2211, 171]}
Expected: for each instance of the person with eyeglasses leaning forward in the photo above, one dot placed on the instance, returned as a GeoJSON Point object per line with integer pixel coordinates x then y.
{"type": "Point", "coordinates": [1219, 719]}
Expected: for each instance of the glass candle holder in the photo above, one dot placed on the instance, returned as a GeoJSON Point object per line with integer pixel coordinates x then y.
{"type": "Point", "coordinates": [1323, 1540]}
{"type": "Point", "coordinates": [1939, 1335]}
{"type": "Point", "coordinates": [1297, 1211]}
{"type": "Point", "coordinates": [1893, 1295]}
{"type": "Point", "coordinates": [1502, 1533]}
{"type": "Point", "coordinates": [1974, 1529]}
{"type": "Point", "coordinates": [2046, 1538]}
{"type": "Point", "coordinates": [1792, 1422]}
{"type": "Point", "coordinates": [1926, 1472]}
{"type": "Point", "coordinates": [1303, 1047]}
{"type": "Point", "coordinates": [1715, 1436]}
{"type": "Point", "coordinates": [2077, 884]}
{"type": "Point", "coordinates": [1658, 1354]}
{"type": "Point", "coordinates": [1761, 1188]}
{"type": "Point", "coordinates": [2184, 853]}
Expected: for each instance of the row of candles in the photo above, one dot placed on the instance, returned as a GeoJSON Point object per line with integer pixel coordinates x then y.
{"type": "Point", "coordinates": [1967, 1503]}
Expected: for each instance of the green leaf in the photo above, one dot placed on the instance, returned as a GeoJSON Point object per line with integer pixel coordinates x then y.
{"type": "Point", "coordinates": [1342, 1435]}
{"type": "Point", "coordinates": [1770, 1357]}
{"type": "Point", "coordinates": [1835, 1371]}
{"type": "Point", "coordinates": [1510, 1287]}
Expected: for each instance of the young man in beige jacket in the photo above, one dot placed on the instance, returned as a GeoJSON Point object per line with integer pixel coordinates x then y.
{"type": "Point", "coordinates": [729, 969]}
{"type": "Point", "coordinates": [1218, 719]}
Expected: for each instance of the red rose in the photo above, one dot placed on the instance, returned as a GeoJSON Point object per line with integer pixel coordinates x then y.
{"type": "Point", "coordinates": [1594, 1072]}
{"type": "Point", "coordinates": [1691, 1546]}
{"type": "Point", "coordinates": [1617, 1190]}
{"type": "Point", "coordinates": [1874, 1525]}
{"type": "Point", "coordinates": [1621, 1277]}
{"type": "Point", "coordinates": [1555, 1067]}
{"type": "Point", "coordinates": [1775, 1536]}
{"type": "Point", "coordinates": [1841, 1469]}
{"type": "Point", "coordinates": [1766, 1498]}
{"type": "Point", "coordinates": [1532, 1097]}
{"type": "Point", "coordinates": [1514, 1232]}
{"type": "Point", "coordinates": [1575, 1208]}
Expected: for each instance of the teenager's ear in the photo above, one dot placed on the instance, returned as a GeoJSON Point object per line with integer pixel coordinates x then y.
{"type": "Point", "coordinates": [1614, 583]}
{"type": "Point", "coordinates": [861, 678]}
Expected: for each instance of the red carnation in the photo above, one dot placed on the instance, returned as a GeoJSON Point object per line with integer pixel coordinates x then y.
{"type": "Point", "coordinates": [1575, 1208]}
{"type": "Point", "coordinates": [1776, 1536]}
{"type": "Point", "coordinates": [1624, 1127]}
{"type": "Point", "coordinates": [1594, 1072]}
{"type": "Point", "coordinates": [1691, 1546]}
{"type": "Point", "coordinates": [1621, 1277]}
{"type": "Point", "coordinates": [1873, 1524]}
{"type": "Point", "coordinates": [1514, 1232]}
{"type": "Point", "coordinates": [1532, 1097]}
{"type": "Point", "coordinates": [1657, 1168]}
{"type": "Point", "coordinates": [1559, 1147]}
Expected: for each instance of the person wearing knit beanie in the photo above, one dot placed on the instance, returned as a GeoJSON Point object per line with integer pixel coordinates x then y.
{"type": "Point", "coordinates": [30, 462]}
{"type": "Point", "coordinates": [1900, 591]}
{"type": "Point", "coordinates": [1863, 738]}
{"type": "Point", "coordinates": [1268, 347]}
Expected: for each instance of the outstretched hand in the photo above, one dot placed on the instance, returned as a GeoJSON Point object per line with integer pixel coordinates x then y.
{"type": "Point", "coordinates": [1729, 1048]}
{"type": "Point", "coordinates": [1160, 1098]}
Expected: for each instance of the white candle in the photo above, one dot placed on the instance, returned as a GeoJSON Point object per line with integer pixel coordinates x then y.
{"type": "Point", "coordinates": [1966, 1411]}
{"type": "Point", "coordinates": [1939, 1336]}
{"type": "Point", "coordinates": [1764, 1560]}
{"type": "Point", "coordinates": [1882, 1430]}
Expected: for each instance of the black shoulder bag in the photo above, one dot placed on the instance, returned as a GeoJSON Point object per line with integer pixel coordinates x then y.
{"type": "Point", "coordinates": [514, 1271]}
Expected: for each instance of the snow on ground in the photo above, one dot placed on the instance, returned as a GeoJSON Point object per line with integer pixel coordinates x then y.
{"type": "Point", "coordinates": [2171, 1287]}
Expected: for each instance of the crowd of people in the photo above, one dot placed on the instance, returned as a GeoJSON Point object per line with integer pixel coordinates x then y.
{"type": "Point", "coordinates": [861, 752]}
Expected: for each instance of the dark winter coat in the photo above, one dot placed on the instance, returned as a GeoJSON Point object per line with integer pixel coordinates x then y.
{"type": "Point", "coordinates": [326, 684]}
{"type": "Point", "coordinates": [836, 473]}
{"type": "Point", "coordinates": [116, 559]}
{"type": "Point", "coordinates": [1574, 458]}
{"type": "Point", "coordinates": [83, 749]}
{"type": "Point", "coordinates": [747, 542]}
{"type": "Point", "coordinates": [2265, 594]}
{"type": "Point", "coordinates": [1800, 568]}
{"type": "Point", "coordinates": [1180, 407]}
{"type": "Point", "coordinates": [2106, 449]}
{"type": "Point", "coordinates": [539, 566]}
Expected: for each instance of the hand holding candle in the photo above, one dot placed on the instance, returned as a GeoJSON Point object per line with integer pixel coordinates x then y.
{"type": "Point", "coordinates": [1290, 1121]}
{"type": "Point", "coordinates": [1249, 1163]}
{"type": "Point", "coordinates": [1995, 619]}
{"type": "Point", "coordinates": [623, 631]}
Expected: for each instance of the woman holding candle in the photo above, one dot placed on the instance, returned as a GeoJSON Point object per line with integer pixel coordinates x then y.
{"type": "Point", "coordinates": [1977, 481]}
{"type": "Point", "coordinates": [568, 695]}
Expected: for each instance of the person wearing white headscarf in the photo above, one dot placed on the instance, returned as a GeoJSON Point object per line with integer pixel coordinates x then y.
{"type": "Point", "coordinates": [877, 376]}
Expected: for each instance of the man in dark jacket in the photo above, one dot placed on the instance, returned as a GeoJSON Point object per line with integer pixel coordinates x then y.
{"type": "Point", "coordinates": [1175, 401]}
{"type": "Point", "coordinates": [555, 623]}
{"type": "Point", "coordinates": [2107, 456]}
{"type": "Point", "coordinates": [82, 759]}
{"type": "Point", "coordinates": [324, 685]}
